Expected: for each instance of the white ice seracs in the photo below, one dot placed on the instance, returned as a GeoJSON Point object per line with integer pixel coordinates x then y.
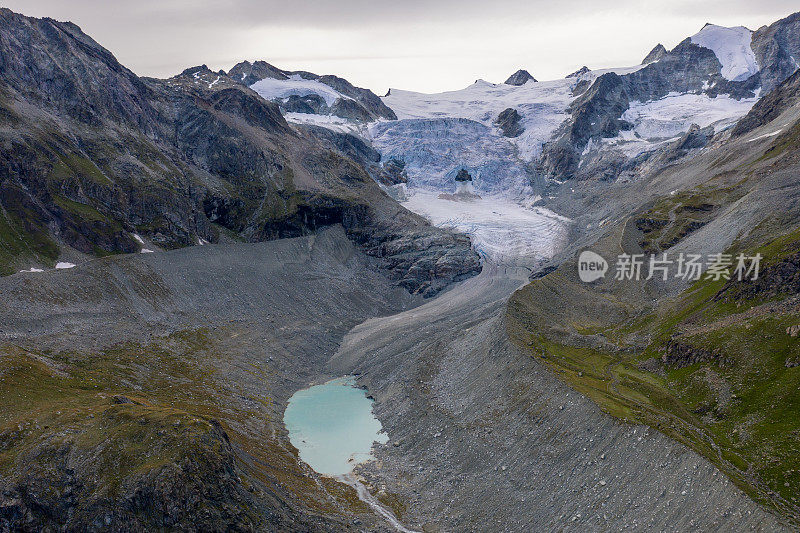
{"type": "Point", "coordinates": [435, 149]}
{"type": "Point", "coordinates": [542, 105]}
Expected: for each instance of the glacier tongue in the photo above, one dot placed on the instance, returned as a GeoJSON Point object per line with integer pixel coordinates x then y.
{"type": "Point", "coordinates": [500, 228]}
{"type": "Point", "coordinates": [271, 89]}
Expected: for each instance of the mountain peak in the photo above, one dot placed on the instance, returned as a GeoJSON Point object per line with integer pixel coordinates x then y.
{"type": "Point", "coordinates": [732, 47]}
{"type": "Point", "coordinates": [580, 72]}
{"type": "Point", "coordinates": [520, 77]}
{"type": "Point", "coordinates": [655, 54]}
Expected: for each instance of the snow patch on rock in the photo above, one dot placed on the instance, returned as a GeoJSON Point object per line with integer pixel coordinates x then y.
{"type": "Point", "coordinates": [272, 89]}
{"type": "Point", "coordinates": [665, 119]}
{"type": "Point", "coordinates": [732, 48]}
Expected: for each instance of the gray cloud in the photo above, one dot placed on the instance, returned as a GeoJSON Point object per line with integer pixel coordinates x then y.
{"type": "Point", "coordinates": [416, 44]}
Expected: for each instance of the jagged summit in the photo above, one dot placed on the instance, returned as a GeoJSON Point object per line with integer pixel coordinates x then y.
{"type": "Point", "coordinates": [520, 77]}
{"type": "Point", "coordinates": [655, 54]}
{"type": "Point", "coordinates": [580, 72]}
{"type": "Point", "coordinates": [248, 73]}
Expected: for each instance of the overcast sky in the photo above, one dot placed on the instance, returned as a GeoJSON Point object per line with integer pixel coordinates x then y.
{"type": "Point", "coordinates": [422, 45]}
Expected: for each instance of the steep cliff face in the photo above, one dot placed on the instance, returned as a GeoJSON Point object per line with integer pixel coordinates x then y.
{"type": "Point", "coordinates": [96, 159]}
{"type": "Point", "coordinates": [777, 49]}
{"type": "Point", "coordinates": [771, 106]}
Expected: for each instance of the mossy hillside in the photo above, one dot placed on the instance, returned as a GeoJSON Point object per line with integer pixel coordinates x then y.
{"type": "Point", "coordinates": [70, 399]}
{"type": "Point", "coordinates": [70, 165]}
{"type": "Point", "coordinates": [24, 235]}
{"type": "Point", "coordinates": [788, 141]}
{"type": "Point", "coordinates": [739, 410]}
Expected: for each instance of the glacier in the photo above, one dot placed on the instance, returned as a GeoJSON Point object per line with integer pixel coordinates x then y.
{"type": "Point", "coordinates": [732, 48]}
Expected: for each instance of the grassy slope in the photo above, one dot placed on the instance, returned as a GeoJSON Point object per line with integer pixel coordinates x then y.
{"type": "Point", "coordinates": [52, 400]}
{"type": "Point", "coordinates": [739, 408]}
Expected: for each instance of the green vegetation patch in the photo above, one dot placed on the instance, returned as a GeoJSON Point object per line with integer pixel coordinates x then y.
{"type": "Point", "coordinates": [718, 373]}
{"type": "Point", "coordinates": [23, 235]}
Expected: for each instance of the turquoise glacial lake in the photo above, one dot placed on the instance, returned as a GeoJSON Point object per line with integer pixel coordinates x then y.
{"type": "Point", "coordinates": [332, 426]}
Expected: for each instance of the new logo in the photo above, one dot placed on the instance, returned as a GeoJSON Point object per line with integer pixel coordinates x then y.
{"type": "Point", "coordinates": [591, 266]}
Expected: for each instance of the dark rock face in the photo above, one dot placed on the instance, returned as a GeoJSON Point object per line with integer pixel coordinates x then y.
{"type": "Point", "coordinates": [509, 122]}
{"type": "Point", "coordinates": [686, 68]}
{"type": "Point", "coordinates": [348, 144]}
{"type": "Point", "coordinates": [769, 107]}
{"type": "Point", "coordinates": [655, 54]}
{"type": "Point", "coordinates": [59, 66]}
{"type": "Point", "coordinates": [311, 104]}
{"type": "Point", "coordinates": [350, 110]}
{"type": "Point", "coordinates": [782, 278]}
{"type": "Point", "coordinates": [777, 50]}
{"type": "Point", "coordinates": [367, 106]}
{"type": "Point", "coordinates": [97, 154]}
{"type": "Point", "coordinates": [580, 72]}
{"type": "Point", "coordinates": [394, 172]}
{"type": "Point", "coordinates": [603, 166]}
{"type": "Point", "coordinates": [595, 114]}
{"type": "Point", "coordinates": [696, 137]}
{"type": "Point", "coordinates": [520, 77]}
{"type": "Point", "coordinates": [680, 355]}
{"type": "Point", "coordinates": [463, 175]}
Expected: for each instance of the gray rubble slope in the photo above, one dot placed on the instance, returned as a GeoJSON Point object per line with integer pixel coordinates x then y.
{"type": "Point", "coordinates": [484, 438]}
{"type": "Point", "coordinates": [268, 315]}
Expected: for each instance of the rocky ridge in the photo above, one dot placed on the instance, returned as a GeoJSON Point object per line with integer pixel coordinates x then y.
{"type": "Point", "coordinates": [686, 69]}
{"type": "Point", "coordinates": [96, 159]}
{"type": "Point", "coordinates": [520, 77]}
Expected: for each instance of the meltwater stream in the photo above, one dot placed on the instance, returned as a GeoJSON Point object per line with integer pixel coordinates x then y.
{"type": "Point", "coordinates": [333, 428]}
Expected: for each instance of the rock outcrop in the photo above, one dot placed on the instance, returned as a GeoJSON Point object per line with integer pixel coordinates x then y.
{"type": "Point", "coordinates": [655, 54]}
{"type": "Point", "coordinates": [580, 72]}
{"type": "Point", "coordinates": [509, 122]}
{"type": "Point", "coordinates": [520, 77]}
